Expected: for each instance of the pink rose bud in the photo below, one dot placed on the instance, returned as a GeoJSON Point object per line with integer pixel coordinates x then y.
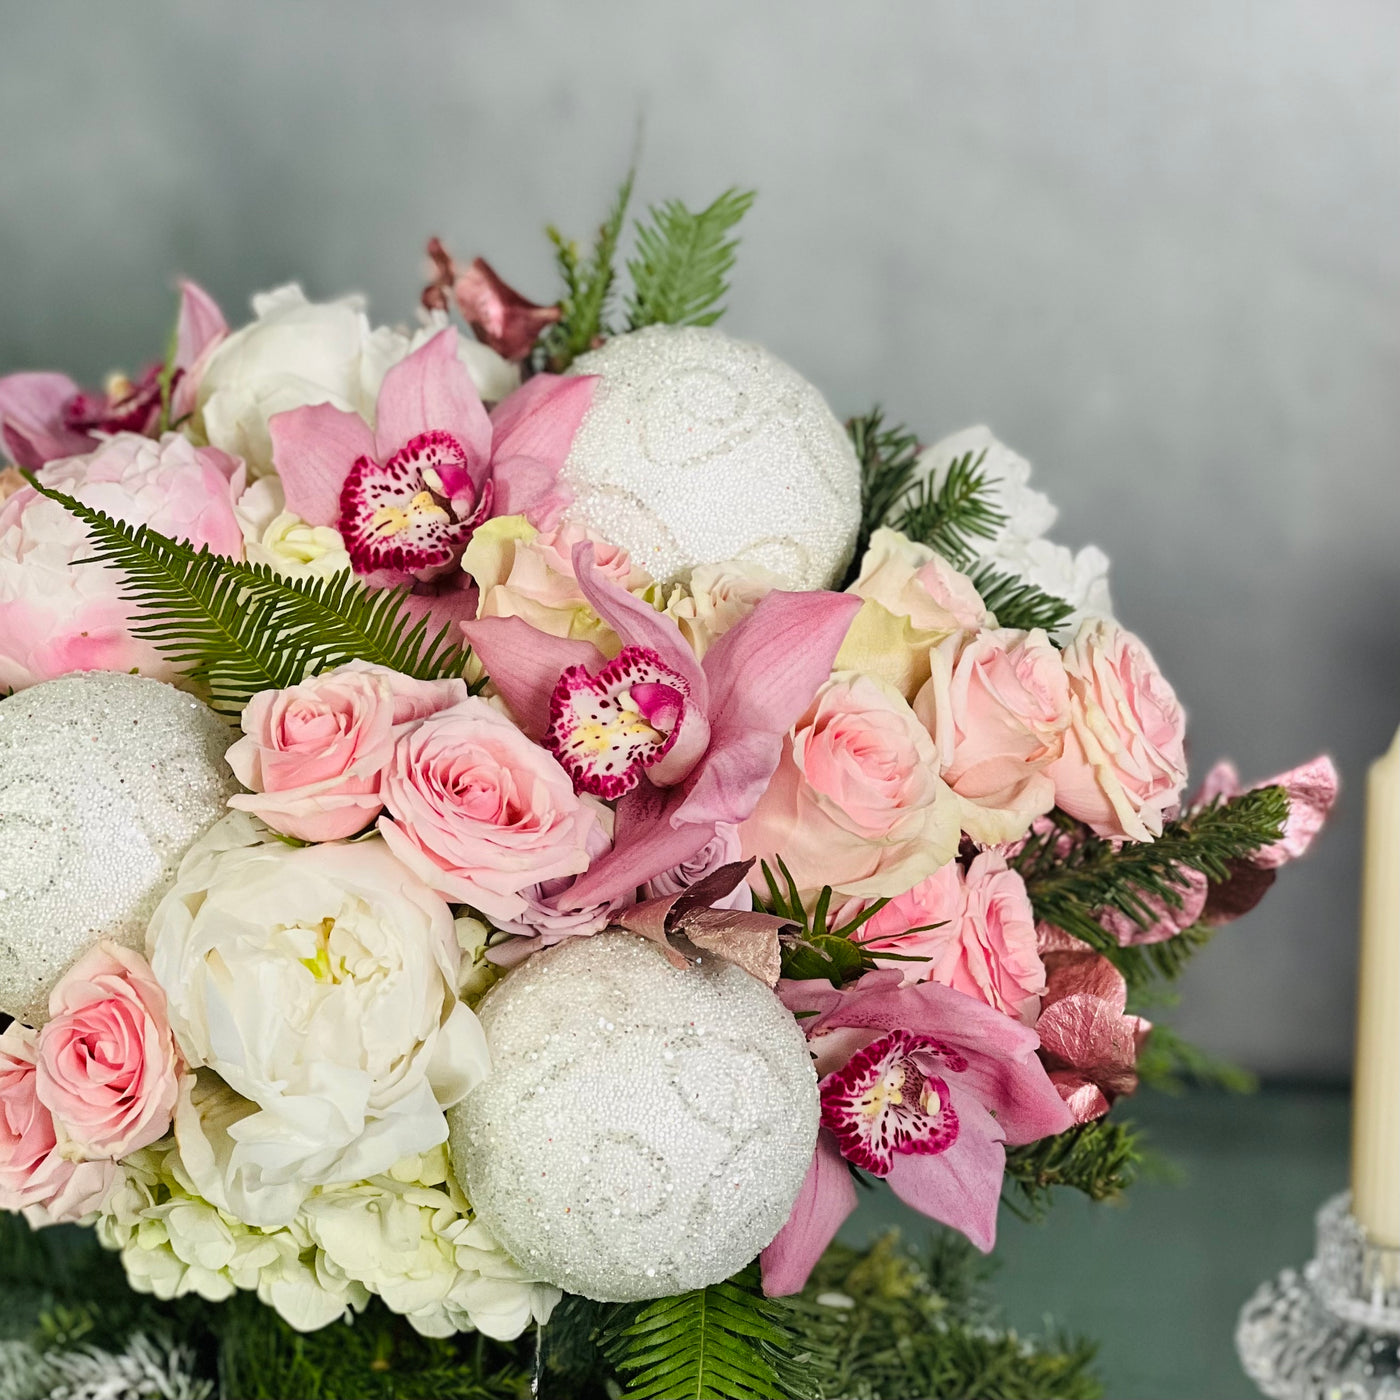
{"type": "Point", "coordinates": [108, 1070]}
{"type": "Point", "coordinates": [315, 753]}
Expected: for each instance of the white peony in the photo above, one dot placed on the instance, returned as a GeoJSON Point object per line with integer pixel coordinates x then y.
{"type": "Point", "coordinates": [286, 543]}
{"type": "Point", "coordinates": [320, 984]}
{"type": "Point", "coordinates": [300, 352]}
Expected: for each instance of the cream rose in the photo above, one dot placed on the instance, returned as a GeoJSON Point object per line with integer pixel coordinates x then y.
{"type": "Point", "coordinates": [856, 802]}
{"type": "Point", "coordinates": [1124, 760]}
{"type": "Point", "coordinates": [998, 707]}
{"type": "Point", "coordinates": [717, 597]}
{"type": "Point", "coordinates": [320, 984]}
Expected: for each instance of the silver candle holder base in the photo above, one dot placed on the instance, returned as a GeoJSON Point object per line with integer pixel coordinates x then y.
{"type": "Point", "coordinates": [1333, 1331]}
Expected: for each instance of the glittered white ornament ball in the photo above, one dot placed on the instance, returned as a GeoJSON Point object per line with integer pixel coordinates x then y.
{"type": "Point", "coordinates": [105, 781]}
{"type": "Point", "coordinates": [699, 449]}
{"type": "Point", "coordinates": [644, 1130]}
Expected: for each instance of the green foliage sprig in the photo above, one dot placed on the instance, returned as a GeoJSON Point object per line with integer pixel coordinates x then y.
{"type": "Point", "coordinates": [1171, 1064]}
{"type": "Point", "coordinates": [235, 629]}
{"type": "Point", "coordinates": [951, 516]}
{"type": "Point", "coordinates": [588, 283]}
{"type": "Point", "coordinates": [1070, 888]}
{"type": "Point", "coordinates": [1100, 1159]}
{"type": "Point", "coordinates": [1017, 603]}
{"type": "Point", "coordinates": [889, 457]}
{"type": "Point", "coordinates": [683, 260]}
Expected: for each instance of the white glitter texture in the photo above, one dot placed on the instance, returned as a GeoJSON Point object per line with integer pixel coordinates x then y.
{"type": "Point", "coordinates": [644, 1130]}
{"type": "Point", "coordinates": [700, 449]}
{"type": "Point", "coordinates": [105, 781]}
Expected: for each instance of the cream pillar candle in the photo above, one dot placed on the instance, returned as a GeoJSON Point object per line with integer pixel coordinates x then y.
{"type": "Point", "coordinates": [1375, 1124]}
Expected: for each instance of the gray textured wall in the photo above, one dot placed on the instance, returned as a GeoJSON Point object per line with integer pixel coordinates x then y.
{"type": "Point", "coordinates": [1155, 245]}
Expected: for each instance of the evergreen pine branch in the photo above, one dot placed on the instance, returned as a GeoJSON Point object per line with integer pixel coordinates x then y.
{"type": "Point", "coordinates": [1070, 889]}
{"type": "Point", "coordinates": [1171, 1064]}
{"type": "Point", "coordinates": [236, 628]}
{"type": "Point", "coordinates": [1019, 604]}
{"type": "Point", "coordinates": [1101, 1159]}
{"type": "Point", "coordinates": [682, 261]}
{"type": "Point", "coordinates": [950, 517]}
{"type": "Point", "coordinates": [711, 1342]}
{"type": "Point", "coordinates": [588, 284]}
{"type": "Point", "coordinates": [888, 457]}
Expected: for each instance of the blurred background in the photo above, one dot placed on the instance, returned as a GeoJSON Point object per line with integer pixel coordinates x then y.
{"type": "Point", "coordinates": [1155, 247]}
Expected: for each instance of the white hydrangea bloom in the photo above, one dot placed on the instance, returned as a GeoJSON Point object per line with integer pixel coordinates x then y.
{"type": "Point", "coordinates": [406, 1236]}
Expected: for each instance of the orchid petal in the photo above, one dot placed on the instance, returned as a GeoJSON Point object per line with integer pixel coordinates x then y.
{"type": "Point", "coordinates": [827, 1197]}
{"type": "Point", "coordinates": [526, 486]}
{"type": "Point", "coordinates": [431, 389]}
{"type": "Point", "coordinates": [961, 1187]}
{"type": "Point", "coordinates": [525, 664]}
{"type": "Point", "coordinates": [639, 624]}
{"type": "Point", "coordinates": [540, 418]}
{"type": "Point", "coordinates": [31, 419]}
{"type": "Point", "coordinates": [763, 674]}
{"type": "Point", "coordinates": [201, 323]}
{"type": "Point", "coordinates": [313, 450]}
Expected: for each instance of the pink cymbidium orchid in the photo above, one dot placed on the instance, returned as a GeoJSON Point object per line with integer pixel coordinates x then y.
{"type": "Point", "coordinates": [683, 745]}
{"type": "Point", "coordinates": [45, 416]}
{"type": "Point", "coordinates": [921, 1085]}
{"type": "Point", "coordinates": [407, 494]}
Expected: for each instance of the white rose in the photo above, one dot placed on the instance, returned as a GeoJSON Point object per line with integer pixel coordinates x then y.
{"type": "Point", "coordinates": [299, 352]}
{"type": "Point", "coordinates": [286, 543]}
{"type": "Point", "coordinates": [319, 984]}
{"type": "Point", "coordinates": [719, 596]}
{"type": "Point", "coordinates": [1080, 579]}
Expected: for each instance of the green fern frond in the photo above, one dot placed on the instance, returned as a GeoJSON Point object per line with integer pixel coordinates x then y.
{"type": "Point", "coordinates": [951, 516]}
{"type": "Point", "coordinates": [1019, 604]}
{"type": "Point", "coordinates": [1070, 888]}
{"type": "Point", "coordinates": [682, 261]}
{"type": "Point", "coordinates": [888, 457]}
{"type": "Point", "coordinates": [236, 629]}
{"type": "Point", "coordinates": [1101, 1159]}
{"type": "Point", "coordinates": [711, 1344]}
{"type": "Point", "coordinates": [588, 283]}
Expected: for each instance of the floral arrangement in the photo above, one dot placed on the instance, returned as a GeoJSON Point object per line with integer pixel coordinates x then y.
{"type": "Point", "coordinates": [620, 811]}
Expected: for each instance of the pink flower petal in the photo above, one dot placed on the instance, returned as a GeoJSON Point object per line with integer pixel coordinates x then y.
{"type": "Point", "coordinates": [540, 418]}
{"type": "Point", "coordinates": [431, 389]}
{"type": "Point", "coordinates": [1312, 791]}
{"type": "Point", "coordinates": [314, 449]}
{"type": "Point", "coordinates": [31, 419]}
{"type": "Point", "coordinates": [960, 1188]}
{"type": "Point", "coordinates": [827, 1197]}
{"type": "Point", "coordinates": [526, 664]}
{"type": "Point", "coordinates": [200, 324]}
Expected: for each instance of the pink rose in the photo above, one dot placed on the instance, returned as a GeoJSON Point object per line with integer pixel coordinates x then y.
{"type": "Point", "coordinates": [998, 710]}
{"type": "Point", "coordinates": [911, 580]}
{"type": "Point", "coordinates": [480, 813]}
{"type": "Point", "coordinates": [1124, 760]}
{"type": "Point", "coordinates": [856, 802]}
{"type": "Point", "coordinates": [314, 754]}
{"type": "Point", "coordinates": [723, 848]}
{"type": "Point", "coordinates": [108, 1070]}
{"type": "Point", "coordinates": [58, 615]}
{"type": "Point", "coordinates": [35, 1177]}
{"type": "Point", "coordinates": [975, 931]}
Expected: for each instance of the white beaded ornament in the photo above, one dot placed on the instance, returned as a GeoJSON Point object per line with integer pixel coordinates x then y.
{"type": "Point", "coordinates": [699, 449]}
{"type": "Point", "coordinates": [106, 780]}
{"type": "Point", "coordinates": [644, 1130]}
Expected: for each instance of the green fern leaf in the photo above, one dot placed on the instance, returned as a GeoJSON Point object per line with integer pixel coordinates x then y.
{"type": "Point", "coordinates": [716, 1343]}
{"type": "Point", "coordinates": [682, 261]}
{"type": "Point", "coordinates": [236, 629]}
